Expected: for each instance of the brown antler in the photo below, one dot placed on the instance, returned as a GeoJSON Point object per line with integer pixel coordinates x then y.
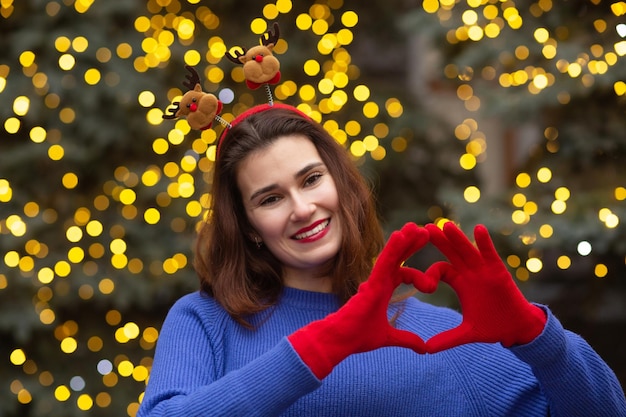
{"type": "Point", "coordinates": [270, 37]}
{"type": "Point", "coordinates": [192, 78]}
{"type": "Point", "coordinates": [170, 113]}
{"type": "Point", "coordinates": [235, 57]}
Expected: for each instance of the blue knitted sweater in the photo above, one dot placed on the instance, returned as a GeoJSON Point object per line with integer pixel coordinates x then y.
{"type": "Point", "coordinates": [206, 364]}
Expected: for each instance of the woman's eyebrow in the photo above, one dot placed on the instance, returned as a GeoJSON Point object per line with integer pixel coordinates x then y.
{"type": "Point", "coordinates": [307, 168]}
{"type": "Point", "coordinates": [263, 190]}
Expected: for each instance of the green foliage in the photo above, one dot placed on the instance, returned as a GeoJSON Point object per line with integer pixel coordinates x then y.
{"type": "Point", "coordinates": [107, 142]}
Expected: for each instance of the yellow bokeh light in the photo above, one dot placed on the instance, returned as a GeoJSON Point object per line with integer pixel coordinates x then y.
{"type": "Point", "coordinates": [522, 180]}
{"type": "Point", "coordinates": [38, 134]}
{"type": "Point", "coordinates": [176, 136]}
{"type": "Point", "coordinates": [304, 21]}
{"type": "Point", "coordinates": [186, 28]}
{"type": "Point", "coordinates": [471, 194]}
{"type": "Point", "coordinates": [361, 92]}
{"type": "Point", "coordinates": [520, 217]}
{"type": "Point", "coordinates": [530, 208]}
{"type": "Point", "coordinates": [357, 148]}
{"type": "Point", "coordinates": [84, 402]}
{"type": "Point", "coordinates": [430, 6]}
{"type": "Point", "coordinates": [45, 275]}
{"type": "Point", "coordinates": [312, 67]}
{"type": "Point", "coordinates": [467, 161]}
{"type": "Point", "coordinates": [70, 180]}
{"type": "Point", "coordinates": [370, 110]}
{"type": "Point", "coordinates": [601, 270]}
{"type": "Point", "coordinates": [146, 98]}
{"type": "Point", "coordinates": [124, 50]}
{"type": "Point", "coordinates": [131, 330]}
{"type": "Point", "coordinates": [562, 193]}
{"type": "Point", "coordinates": [558, 207]}
{"type": "Point", "coordinates": [17, 357]}
{"type": "Point", "coordinates": [127, 196]}
{"type": "Point", "coordinates": [27, 58]}
{"type": "Point", "coordinates": [534, 265]}
{"type": "Point", "coordinates": [370, 142]}
{"type": "Point", "coordinates": [62, 393]}
{"type": "Point", "coordinates": [546, 231]}
{"type": "Point", "coordinates": [66, 62]}
{"type": "Point", "coordinates": [192, 57]}
{"type": "Point", "coordinates": [469, 17]}
{"type": "Point", "coordinates": [62, 268]}
{"type": "Point", "coordinates": [152, 216]}
{"type": "Point", "coordinates": [92, 76]}
{"type": "Point", "coordinates": [74, 234]}
{"type": "Point", "coordinates": [160, 146]}
{"type": "Point", "coordinates": [349, 19]}
{"type": "Point", "coordinates": [258, 26]}
{"type": "Point", "coordinates": [125, 368]}
{"type": "Point", "coordinates": [394, 107]}
{"type": "Point", "coordinates": [117, 246]}
{"type": "Point", "coordinates": [513, 261]}
{"type": "Point", "coordinates": [69, 345]}
{"type": "Point", "coordinates": [21, 105]}
{"type": "Point", "coordinates": [519, 200]}
{"type": "Point", "coordinates": [307, 92]}
{"type": "Point", "coordinates": [284, 6]}
{"type": "Point", "coordinates": [541, 35]}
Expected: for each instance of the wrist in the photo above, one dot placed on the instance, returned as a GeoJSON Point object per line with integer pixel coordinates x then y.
{"type": "Point", "coordinates": [533, 325]}
{"type": "Point", "coordinates": [319, 346]}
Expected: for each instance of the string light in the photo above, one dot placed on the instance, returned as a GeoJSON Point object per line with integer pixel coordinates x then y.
{"type": "Point", "coordinates": [99, 248]}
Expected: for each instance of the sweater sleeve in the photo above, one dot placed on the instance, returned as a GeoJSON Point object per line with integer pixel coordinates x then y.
{"type": "Point", "coordinates": [573, 377]}
{"type": "Point", "coordinates": [186, 379]}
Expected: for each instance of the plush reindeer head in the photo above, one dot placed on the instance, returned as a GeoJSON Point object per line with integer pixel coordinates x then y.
{"type": "Point", "coordinates": [198, 107]}
{"type": "Point", "coordinates": [260, 66]}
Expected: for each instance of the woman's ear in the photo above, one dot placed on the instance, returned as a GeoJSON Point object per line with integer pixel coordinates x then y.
{"type": "Point", "coordinates": [256, 239]}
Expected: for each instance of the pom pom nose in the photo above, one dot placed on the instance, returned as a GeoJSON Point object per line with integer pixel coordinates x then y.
{"type": "Point", "coordinates": [193, 107]}
{"type": "Point", "coordinates": [258, 58]}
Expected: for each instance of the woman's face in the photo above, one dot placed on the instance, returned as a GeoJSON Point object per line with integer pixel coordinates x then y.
{"type": "Point", "coordinates": [292, 203]}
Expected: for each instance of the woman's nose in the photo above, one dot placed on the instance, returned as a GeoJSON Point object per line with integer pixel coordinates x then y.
{"type": "Point", "coordinates": [302, 209]}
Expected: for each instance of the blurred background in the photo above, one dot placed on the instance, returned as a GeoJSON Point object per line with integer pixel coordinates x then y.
{"type": "Point", "coordinates": [510, 114]}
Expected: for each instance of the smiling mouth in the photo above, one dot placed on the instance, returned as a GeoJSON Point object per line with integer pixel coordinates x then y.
{"type": "Point", "coordinates": [317, 229]}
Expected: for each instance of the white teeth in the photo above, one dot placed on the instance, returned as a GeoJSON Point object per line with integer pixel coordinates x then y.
{"type": "Point", "coordinates": [313, 231]}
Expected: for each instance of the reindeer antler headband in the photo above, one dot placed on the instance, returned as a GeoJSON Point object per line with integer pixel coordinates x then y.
{"type": "Point", "coordinates": [260, 68]}
{"type": "Point", "coordinates": [198, 107]}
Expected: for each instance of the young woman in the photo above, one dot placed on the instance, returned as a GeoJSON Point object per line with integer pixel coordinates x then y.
{"type": "Point", "coordinates": [293, 319]}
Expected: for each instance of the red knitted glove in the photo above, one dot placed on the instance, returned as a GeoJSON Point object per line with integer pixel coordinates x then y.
{"type": "Point", "coordinates": [494, 309]}
{"type": "Point", "coordinates": [361, 325]}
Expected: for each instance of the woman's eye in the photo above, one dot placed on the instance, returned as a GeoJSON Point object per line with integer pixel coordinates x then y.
{"type": "Point", "coordinates": [313, 178]}
{"type": "Point", "coordinates": [269, 200]}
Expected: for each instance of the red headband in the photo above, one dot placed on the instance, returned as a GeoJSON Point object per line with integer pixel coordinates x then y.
{"type": "Point", "coordinates": [254, 110]}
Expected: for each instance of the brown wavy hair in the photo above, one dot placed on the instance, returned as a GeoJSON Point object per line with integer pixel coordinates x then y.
{"type": "Point", "coordinates": [245, 279]}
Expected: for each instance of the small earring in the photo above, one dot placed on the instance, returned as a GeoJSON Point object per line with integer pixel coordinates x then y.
{"type": "Point", "coordinates": [258, 242]}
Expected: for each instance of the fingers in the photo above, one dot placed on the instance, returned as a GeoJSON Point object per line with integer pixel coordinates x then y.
{"type": "Point", "coordinates": [406, 339]}
{"type": "Point", "coordinates": [424, 282]}
{"type": "Point", "coordinates": [402, 244]}
{"type": "Point", "coordinates": [415, 238]}
{"type": "Point", "coordinates": [442, 242]}
{"type": "Point", "coordinates": [448, 339]}
{"type": "Point", "coordinates": [485, 244]}
{"type": "Point", "coordinates": [442, 271]}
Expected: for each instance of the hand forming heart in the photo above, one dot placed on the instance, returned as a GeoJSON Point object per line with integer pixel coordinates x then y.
{"type": "Point", "coordinates": [494, 310]}
{"type": "Point", "coordinates": [493, 307]}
